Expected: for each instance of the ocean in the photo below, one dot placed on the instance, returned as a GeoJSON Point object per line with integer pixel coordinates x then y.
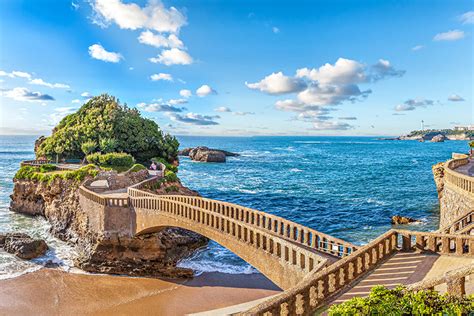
{"type": "Point", "coordinates": [348, 187]}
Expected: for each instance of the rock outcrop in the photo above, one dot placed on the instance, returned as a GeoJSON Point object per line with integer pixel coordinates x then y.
{"type": "Point", "coordinates": [438, 138]}
{"type": "Point", "coordinates": [206, 154]}
{"type": "Point", "coordinates": [22, 245]}
{"type": "Point", "coordinates": [403, 220]}
{"type": "Point", "coordinates": [438, 174]}
{"type": "Point", "coordinates": [154, 254]}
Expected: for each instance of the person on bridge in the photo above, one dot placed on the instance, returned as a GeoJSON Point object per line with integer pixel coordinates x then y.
{"type": "Point", "coordinates": [153, 166]}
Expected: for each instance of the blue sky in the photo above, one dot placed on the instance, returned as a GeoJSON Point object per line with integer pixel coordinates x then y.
{"type": "Point", "coordinates": [241, 67]}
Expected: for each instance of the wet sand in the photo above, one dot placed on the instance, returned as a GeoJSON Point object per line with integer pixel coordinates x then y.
{"type": "Point", "coordinates": [53, 292]}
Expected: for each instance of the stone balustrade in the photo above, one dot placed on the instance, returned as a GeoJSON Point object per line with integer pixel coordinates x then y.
{"type": "Point", "coordinates": [289, 230]}
{"type": "Point", "coordinates": [318, 289]}
{"type": "Point", "coordinates": [460, 181]}
{"type": "Point", "coordinates": [443, 244]}
{"type": "Point", "coordinates": [35, 162]}
{"type": "Point", "coordinates": [454, 279]}
{"type": "Point", "coordinates": [462, 225]}
{"type": "Point", "coordinates": [102, 199]}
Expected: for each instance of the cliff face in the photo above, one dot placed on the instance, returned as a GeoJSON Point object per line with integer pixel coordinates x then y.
{"type": "Point", "coordinates": [153, 254]}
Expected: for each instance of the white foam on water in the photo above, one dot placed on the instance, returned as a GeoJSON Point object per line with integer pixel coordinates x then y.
{"type": "Point", "coordinates": [295, 170]}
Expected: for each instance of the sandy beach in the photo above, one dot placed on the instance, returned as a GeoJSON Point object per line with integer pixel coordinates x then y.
{"type": "Point", "coordinates": [53, 292]}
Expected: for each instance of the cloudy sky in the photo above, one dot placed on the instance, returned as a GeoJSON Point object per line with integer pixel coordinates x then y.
{"type": "Point", "coordinates": [241, 67]}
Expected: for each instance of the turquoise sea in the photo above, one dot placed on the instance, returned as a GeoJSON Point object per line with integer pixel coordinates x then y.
{"type": "Point", "coordinates": [348, 187]}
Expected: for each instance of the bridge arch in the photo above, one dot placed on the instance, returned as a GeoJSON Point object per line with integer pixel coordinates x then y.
{"type": "Point", "coordinates": [282, 261]}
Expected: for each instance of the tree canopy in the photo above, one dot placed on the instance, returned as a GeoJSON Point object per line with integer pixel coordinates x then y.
{"type": "Point", "coordinates": [113, 127]}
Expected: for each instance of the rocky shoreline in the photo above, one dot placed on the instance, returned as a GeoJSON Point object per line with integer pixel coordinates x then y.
{"type": "Point", "coordinates": [154, 254]}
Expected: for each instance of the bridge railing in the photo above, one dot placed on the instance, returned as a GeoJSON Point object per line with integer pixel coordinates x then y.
{"type": "Point", "coordinates": [288, 252]}
{"type": "Point", "coordinates": [101, 199]}
{"type": "Point", "coordinates": [290, 230]}
{"type": "Point", "coordinates": [456, 179]}
{"type": "Point", "coordinates": [317, 290]}
{"type": "Point", "coordinates": [38, 162]}
{"type": "Point", "coordinates": [462, 225]}
{"type": "Point", "coordinates": [454, 279]}
{"type": "Point", "coordinates": [445, 244]}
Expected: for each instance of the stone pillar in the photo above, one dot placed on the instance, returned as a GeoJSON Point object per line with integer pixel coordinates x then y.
{"type": "Point", "coordinates": [456, 287]}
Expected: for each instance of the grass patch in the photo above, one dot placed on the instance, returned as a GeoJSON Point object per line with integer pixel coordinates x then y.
{"type": "Point", "coordinates": [35, 173]}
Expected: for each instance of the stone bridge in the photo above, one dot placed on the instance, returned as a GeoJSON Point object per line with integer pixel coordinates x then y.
{"type": "Point", "coordinates": [284, 251]}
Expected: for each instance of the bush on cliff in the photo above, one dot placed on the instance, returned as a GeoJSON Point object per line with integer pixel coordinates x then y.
{"type": "Point", "coordinates": [36, 174]}
{"type": "Point", "coordinates": [137, 167]}
{"type": "Point", "coordinates": [111, 159]}
{"type": "Point", "coordinates": [112, 127]}
{"type": "Point", "coordinates": [168, 165]}
{"type": "Point", "coordinates": [401, 301]}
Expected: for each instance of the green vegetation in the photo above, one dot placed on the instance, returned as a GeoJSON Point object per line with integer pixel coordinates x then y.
{"type": "Point", "coordinates": [106, 125]}
{"type": "Point", "coordinates": [471, 144]}
{"type": "Point", "coordinates": [170, 176]}
{"type": "Point", "coordinates": [42, 174]}
{"type": "Point", "coordinates": [401, 301]}
{"type": "Point", "coordinates": [119, 162]}
{"type": "Point", "coordinates": [47, 167]}
{"type": "Point", "coordinates": [171, 188]}
{"type": "Point", "coordinates": [168, 165]}
{"type": "Point", "coordinates": [441, 131]}
{"type": "Point", "coordinates": [137, 167]}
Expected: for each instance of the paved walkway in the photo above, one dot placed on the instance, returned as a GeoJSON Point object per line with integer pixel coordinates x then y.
{"type": "Point", "coordinates": [407, 268]}
{"type": "Point", "coordinates": [467, 169]}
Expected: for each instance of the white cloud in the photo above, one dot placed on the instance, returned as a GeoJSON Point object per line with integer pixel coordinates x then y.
{"type": "Point", "coordinates": [243, 113]}
{"type": "Point", "coordinates": [21, 74]}
{"type": "Point", "coordinates": [98, 52]}
{"type": "Point", "coordinates": [185, 93]}
{"type": "Point", "coordinates": [417, 47]}
{"type": "Point", "coordinates": [329, 125]}
{"type": "Point", "coordinates": [412, 104]}
{"type": "Point", "coordinates": [159, 40]}
{"type": "Point", "coordinates": [331, 94]}
{"type": "Point", "coordinates": [41, 82]}
{"type": "Point", "coordinates": [177, 101]}
{"type": "Point", "coordinates": [75, 5]}
{"type": "Point", "coordinates": [131, 16]}
{"type": "Point", "coordinates": [173, 56]}
{"type": "Point", "coordinates": [277, 83]}
{"type": "Point", "coordinates": [275, 30]}
{"type": "Point", "coordinates": [452, 35]}
{"type": "Point", "coordinates": [205, 90]}
{"type": "Point", "coordinates": [467, 18]}
{"type": "Point", "coordinates": [348, 118]}
{"type": "Point", "coordinates": [23, 94]}
{"type": "Point", "coordinates": [222, 109]}
{"type": "Point", "coordinates": [161, 76]}
{"type": "Point", "coordinates": [290, 105]}
{"type": "Point", "coordinates": [76, 101]}
{"type": "Point", "coordinates": [86, 95]}
{"type": "Point", "coordinates": [195, 119]}
{"type": "Point", "coordinates": [342, 72]}
{"type": "Point", "coordinates": [159, 107]}
{"type": "Point", "coordinates": [455, 98]}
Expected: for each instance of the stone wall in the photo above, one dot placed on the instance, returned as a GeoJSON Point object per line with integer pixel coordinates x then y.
{"type": "Point", "coordinates": [453, 204]}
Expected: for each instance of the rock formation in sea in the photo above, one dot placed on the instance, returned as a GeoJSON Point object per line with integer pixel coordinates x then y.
{"type": "Point", "coordinates": [205, 154]}
{"type": "Point", "coordinates": [403, 220]}
{"type": "Point", "coordinates": [438, 138]}
{"type": "Point", "coordinates": [22, 245]}
{"type": "Point", "coordinates": [154, 254]}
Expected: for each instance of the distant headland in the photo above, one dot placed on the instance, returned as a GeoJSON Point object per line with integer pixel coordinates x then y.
{"type": "Point", "coordinates": [457, 133]}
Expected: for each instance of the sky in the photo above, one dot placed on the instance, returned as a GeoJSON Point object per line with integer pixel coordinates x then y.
{"type": "Point", "coordinates": [231, 68]}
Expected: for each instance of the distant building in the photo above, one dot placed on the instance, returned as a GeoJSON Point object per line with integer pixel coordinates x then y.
{"type": "Point", "coordinates": [464, 128]}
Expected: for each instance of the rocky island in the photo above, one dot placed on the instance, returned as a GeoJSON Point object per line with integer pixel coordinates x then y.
{"type": "Point", "coordinates": [116, 141]}
{"type": "Point", "coordinates": [205, 154]}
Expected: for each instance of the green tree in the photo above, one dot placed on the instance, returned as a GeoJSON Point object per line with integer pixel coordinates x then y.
{"type": "Point", "coordinates": [107, 145]}
{"type": "Point", "coordinates": [104, 118]}
{"type": "Point", "coordinates": [87, 148]}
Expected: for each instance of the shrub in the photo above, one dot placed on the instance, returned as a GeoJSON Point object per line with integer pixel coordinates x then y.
{"type": "Point", "coordinates": [401, 301]}
{"type": "Point", "coordinates": [171, 188]}
{"type": "Point", "coordinates": [166, 163]}
{"type": "Point", "coordinates": [47, 167]}
{"type": "Point", "coordinates": [35, 173]}
{"type": "Point", "coordinates": [137, 167]}
{"type": "Point", "coordinates": [107, 145]}
{"type": "Point", "coordinates": [170, 176]}
{"type": "Point", "coordinates": [86, 147]}
{"type": "Point", "coordinates": [111, 159]}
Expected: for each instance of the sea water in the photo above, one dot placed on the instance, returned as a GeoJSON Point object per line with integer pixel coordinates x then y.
{"type": "Point", "coordinates": [348, 187]}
